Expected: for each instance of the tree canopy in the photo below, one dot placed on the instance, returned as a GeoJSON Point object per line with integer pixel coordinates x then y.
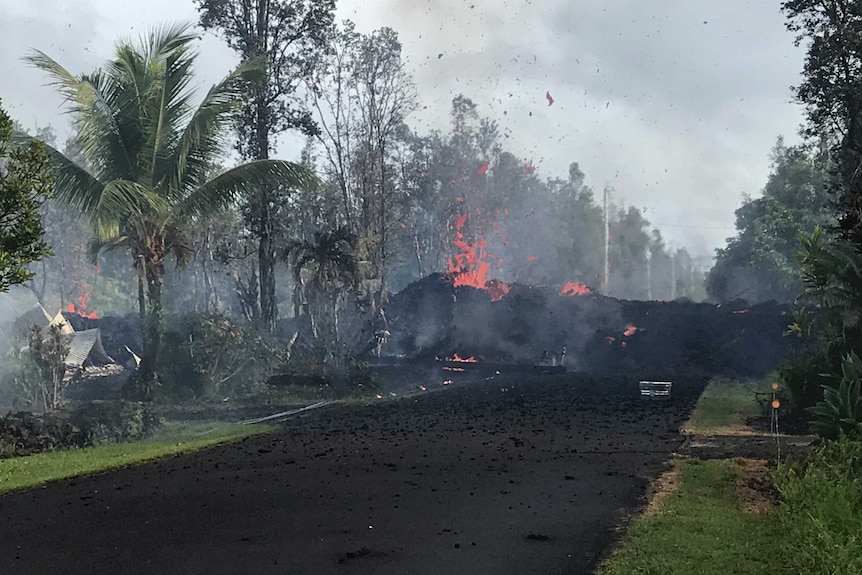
{"type": "Point", "coordinates": [24, 184]}
{"type": "Point", "coordinates": [759, 262]}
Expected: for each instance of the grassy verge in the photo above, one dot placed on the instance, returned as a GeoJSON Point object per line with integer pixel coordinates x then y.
{"type": "Point", "coordinates": [725, 405]}
{"type": "Point", "coordinates": [821, 510]}
{"type": "Point", "coordinates": [701, 528]}
{"type": "Point", "coordinates": [24, 472]}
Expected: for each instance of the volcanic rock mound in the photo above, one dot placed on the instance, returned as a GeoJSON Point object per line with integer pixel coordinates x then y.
{"type": "Point", "coordinates": [531, 324]}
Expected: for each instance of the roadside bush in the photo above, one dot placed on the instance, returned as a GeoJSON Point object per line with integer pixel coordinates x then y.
{"type": "Point", "coordinates": [21, 382]}
{"type": "Point", "coordinates": [803, 375]}
{"type": "Point", "coordinates": [361, 374]}
{"type": "Point", "coordinates": [840, 411]}
{"type": "Point", "coordinates": [821, 510]}
{"type": "Point", "coordinates": [210, 355]}
{"type": "Point", "coordinates": [98, 423]}
{"type": "Point", "coordinates": [25, 433]}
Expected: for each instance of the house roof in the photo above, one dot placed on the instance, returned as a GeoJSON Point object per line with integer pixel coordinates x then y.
{"type": "Point", "coordinates": [87, 345]}
{"type": "Point", "coordinates": [61, 322]}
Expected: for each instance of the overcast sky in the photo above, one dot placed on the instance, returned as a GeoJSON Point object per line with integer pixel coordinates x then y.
{"type": "Point", "coordinates": [673, 103]}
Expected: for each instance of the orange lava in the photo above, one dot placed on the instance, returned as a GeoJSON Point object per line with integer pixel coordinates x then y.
{"type": "Point", "coordinates": [575, 288]}
{"type": "Point", "coordinates": [470, 266]}
{"type": "Point", "coordinates": [81, 307]}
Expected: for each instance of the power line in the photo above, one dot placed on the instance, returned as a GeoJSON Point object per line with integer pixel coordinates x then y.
{"type": "Point", "coordinates": [655, 224]}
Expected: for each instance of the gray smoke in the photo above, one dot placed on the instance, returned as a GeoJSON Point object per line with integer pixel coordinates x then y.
{"type": "Point", "coordinates": [675, 104]}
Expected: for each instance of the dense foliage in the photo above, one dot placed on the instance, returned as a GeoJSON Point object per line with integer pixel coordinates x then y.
{"type": "Point", "coordinates": [831, 91]}
{"type": "Point", "coordinates": [759, 263]}
{"type": "Point", "coordinates": [829, 330]}
{"type": "Point", "coordinates": [24, 184]}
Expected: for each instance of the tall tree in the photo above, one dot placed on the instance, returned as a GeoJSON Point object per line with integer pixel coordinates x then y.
{"type": "Point", "coordinates": [830, 260]}
{"type": "Point", "coordinates": [629, 243]}
{"type": "Point", "coordinates": [362, 94]}
{"type": "Point", "coordinates": [759, 263]}
{"type": "Point", "coordinates": [580, 240]}
{"type": "Point", "coordinates": [331, 95]}
{"type": "Point", "coordinates": [150, 154]}
{"type": "Point", "coordinates": [288, 34]}
{"type": "Point", "coordinates": [24, 183]}
{"type": "Point", "coordinates": [831, 91]}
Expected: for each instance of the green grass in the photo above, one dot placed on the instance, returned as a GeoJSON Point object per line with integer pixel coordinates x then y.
{"type": "Point", "coordinates": [33, 470]}
{"type": "Point", "coordinates": [821, 510]}
{"type": "Point", "coordinates": [699, 529]}
{"type": "Point", "coordinates": [725, 404]}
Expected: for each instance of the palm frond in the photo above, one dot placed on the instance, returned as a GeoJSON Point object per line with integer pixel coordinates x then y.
{"type": "Point", "coordinates": [80, 94]}
{"type": "Point", "coordinates": [104, 132]}
{"type": "Point", "coordinates": [225, 189]}
{"type": "Point", "coordinates": [73, 184]}
{"type": "Point", "coordinates": [96, 246]}
{"type": "Point", "coordinates": [165, 99]}
{"type": "Point", "coordinates": [124, 204]}
{"type": "Point", "coordinates": [178, 243]}
{"type": "Point", "coordinates": [203, 137]}
{"type": "Point", "coordinates": [165, 39]}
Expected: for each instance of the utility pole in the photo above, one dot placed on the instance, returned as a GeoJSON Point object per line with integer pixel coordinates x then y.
{"type": "Point", "coordinates": [607, 242]}
{"type": "Point", "coordinates": [649, 274]}
{"type": "Point", "coordinates": [672, 274]}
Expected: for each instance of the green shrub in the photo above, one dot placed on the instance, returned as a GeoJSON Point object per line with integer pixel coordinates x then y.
{"type": "Point", "coordinates": [104, 422]}
{"type": "Point", "coordinates": [362, 375]}
{"type": "Point", "coordinates": [802, 374]}
{"type": "Point", "coordinates": [840, 411]}
{"type": "Point", "coordinates": [210, 355]}
{"type": "Point", "coordinates": [24, 433]}
{"type": "Point", "coordinates": [96, 423]}
{"type": "Point", "coordinates": [821, 510]}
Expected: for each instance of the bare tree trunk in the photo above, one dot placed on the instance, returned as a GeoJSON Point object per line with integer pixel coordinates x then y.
{"type": "Point", "coordinates": [266, 247]}
{"type": "Point", "coordinates": [142, 300]}
{"type": "Point", "coordinates": [210, 304]}
{"type": "Point", "coordinates": [152, 337]}
{"type": "Point", "coordinates": [266, 264]}
{"type": "Point", "coordinates": [247, 294]}
{"type": "Point", "coordinates": [418, 248]}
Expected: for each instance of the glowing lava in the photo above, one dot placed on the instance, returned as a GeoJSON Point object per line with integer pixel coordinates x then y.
{"type": "Point", "coordinates": [82, 304]}
{"type": "Point", "coordinates": [631, 329]}
{"type": "Point", "coordinates": [575, 288]}
{"type": "Point", "coordinates": [471, 265]}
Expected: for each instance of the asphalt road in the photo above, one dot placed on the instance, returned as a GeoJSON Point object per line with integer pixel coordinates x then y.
{"type": "Point", "coordinates": [501, 477]}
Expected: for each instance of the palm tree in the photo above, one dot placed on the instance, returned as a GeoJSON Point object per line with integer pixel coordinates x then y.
{"type": "Point", "coordinates": [324, 269]}
{"type": "Point", "coordinates": [150, 155]}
